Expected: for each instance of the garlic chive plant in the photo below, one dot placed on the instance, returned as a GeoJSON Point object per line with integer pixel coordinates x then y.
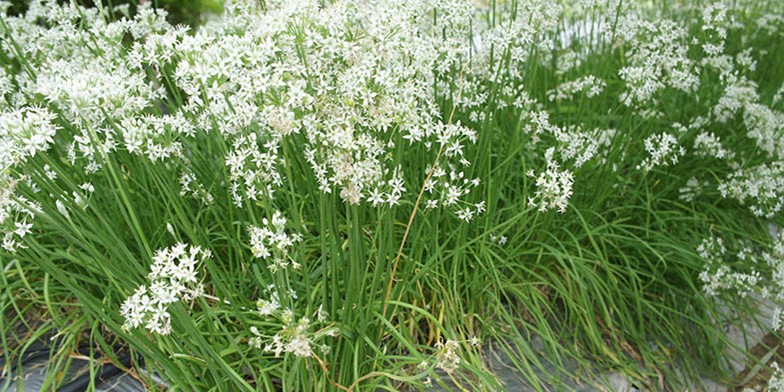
{"type": "Point", "coordinates": [173, 277]}
{"type": "Point", "coordinates": [351, 195]}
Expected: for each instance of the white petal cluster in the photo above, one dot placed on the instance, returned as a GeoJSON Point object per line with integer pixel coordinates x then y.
{"type": "Point", "coordinates": [776, 381]}
{"type": "Point", "coordinates": [500, 240]}
{"type": "Point", "coordinates": [766, 127]}
{"type": "Point", "coordinates": [589, 86]}
{"type": "Point", "coordinates": [346, 87]}
{"type": "Point", "coordinates": [446, 188]}
{"type": "Point", "coordinates": [709, 145]}
{"type": "Point", "coordinates": [15, 218]}
{"type": "Point", "coordinates": [663, 150]}
{"type": "Point", "coordinates": [155, 136]}
{"type": "Point", "coordinates": [447, 358]}
{"type": "Point", "coordinates": [173, 277]}
{"type": "Point", "coordinates": [573, 143]}
{"type": "Point", "coordinates": [738, 92]}
{"type": "Point", "coordinates": [741, 272]}
{"type": "Point", "coordinates": [761, 188]}
{"type": "Point", "coordinates": [76, 61]}
{"type": "Point", "coordinates": [764, 124]}
{"type": "Point", "coordinates": [272, 240]}
{"type": "Point", "coordinates": [293, 338]}
{"type": "Point", "coordinates": [295, 335]}
{"type": "Point", "coordinates": [717, 276]}
{"type": "Point", "coordinates": [253, 168]}
{"type": "Point", "coordinates": [553, 186]}
{"type": "Point", "coordinates": [191, 187]}
{"type": "Point", "coordinates": [691, 190]}
{"type": "Point", "coordinates": [350, 90]}
{"type": "Point", "coordinates": [657, 60]}
{"type": "Point", "coordinates": [23, 133]}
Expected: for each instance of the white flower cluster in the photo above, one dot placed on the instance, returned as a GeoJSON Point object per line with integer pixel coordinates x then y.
{"type": "Point", "coordinates": [348, 100]}
{"type": "Point", "coordinates": [766, 127]}
{"type": "Point", "coordinates": [760, 187]}
{"type": "Point", "coordinates": [519, 28]}
{"type": "Point", "coordinates": [691, 190]}
{"type": "Point", "coordinates": [295, 336]}
{"type": "Point", "coordinates": [574, 144]}
{"type": "Point", "coordinates": [499, 240]}
{"type": "Point", "coordinates": [709, 145]}
{"type": "Point", "coordinates": [738, 92]}
{"type": "Point", "coordinates": [716, 21]}
{"type": "Point", "coordinates": [268, 307]}
{"type": "Point", "coordinates": [580, 146]}
{"type": "Point", "coordinates": [155, 136]}
{"type": "Point", "coordinates": [353, 87]}
{"type": "Point", "coordinates": [447, 358]}
{"type": "Point", "coordinates": [663, 150]}
{"type": "Point", "coordinates": [75, 61]}
{"type": "Point", "coordinates": [553, 186]}
{"type": "Point", "coordinates": [173, 277]}
{"type": "Point", "coordinates": [189, 186]}
{"type": "Point", "coordinates": [272, 240]}
{"type": "Point", "coordinates": [588, 85]}
{"type": "Point", "coordinates": [718, 275]}
{"type": "Point", "coordinates": [447, 189]}
{"type": "Point", "coordinates": [567, 61]}
{"type": "Point", "coordinates": [779, 96]}
{"type": "Point", "coordinates": [254, 168]}
{"type": "Point", "coordinates": [776, 381]}
{"type": "Point", "coordinates": [740, 96]}
{"type": "Point", "coordinates": [23, 133]}
{"type": "Point", "coordinates": [763, 124]}
{"type": "Point", "coordinates": [14, 216]}
{"type": "Point", "coordinates": [657, 60]}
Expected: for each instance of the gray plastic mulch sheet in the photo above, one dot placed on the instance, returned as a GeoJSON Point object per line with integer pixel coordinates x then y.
{"type": "Point", "coordinates": [502, 366]}
{"type": "Point", "coordinates": [33, 372]}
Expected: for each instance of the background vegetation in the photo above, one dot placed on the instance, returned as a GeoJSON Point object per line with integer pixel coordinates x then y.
{"type": "Point", "coordinates": [581, 251]}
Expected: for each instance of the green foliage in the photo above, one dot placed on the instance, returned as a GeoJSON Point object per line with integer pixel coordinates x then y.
{"type": "Point", "coordinates": [612, 282]}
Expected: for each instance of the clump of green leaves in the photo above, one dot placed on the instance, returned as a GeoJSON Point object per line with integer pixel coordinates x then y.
{"type": "Point", "coordinates": [344, 196]}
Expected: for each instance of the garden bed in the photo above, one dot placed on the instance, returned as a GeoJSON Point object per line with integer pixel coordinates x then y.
{"type": "Point", "coordinates": [318, 195]}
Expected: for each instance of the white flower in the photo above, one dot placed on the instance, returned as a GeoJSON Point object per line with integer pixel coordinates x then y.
{"type": "Point", "coordinates": [24, 133]}
{"type": "Point", "coordinates": [292, 338]}
{"type": "Point", "coordinates": [62, 209]}
{"type": "Point", "coordinates": [663, 150]}
{"type": "Point", "coordinates": [299, 345]}
{"type": "Point", "coordinates": [709, 145]}
{"type": "Point", "coordinates": [589, 85]}
{"type": "Point", "coordinates": [776, 319]}
{"type": "Point", "coordinates": [761, 188]}
{"type": "Point", "coordinates": [776, 381]}
{"type": "Point", "coordinates": [22, 228]}
{"type": "Point", "coordinates": [172, 278]}
{"type": "Point", "coordinates": [321, 314]}
{"type": "Point", "coordinates": [446, 355]}
{"type": "Point", "coordinates": [553, 186]}
{"type": "Point", "coordinates": [272, 238]}
{"type": "Point", "coordinates": [266, 308]}
{"type": "Point", "coordinates": [657, 60]}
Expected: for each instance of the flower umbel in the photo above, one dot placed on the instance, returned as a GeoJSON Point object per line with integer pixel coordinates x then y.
{"type": "Point", "coordinates": [173, 277]}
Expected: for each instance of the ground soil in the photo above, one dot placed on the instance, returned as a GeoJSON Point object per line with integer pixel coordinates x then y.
{"type": "Point", "coordinates": [757, 373]}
